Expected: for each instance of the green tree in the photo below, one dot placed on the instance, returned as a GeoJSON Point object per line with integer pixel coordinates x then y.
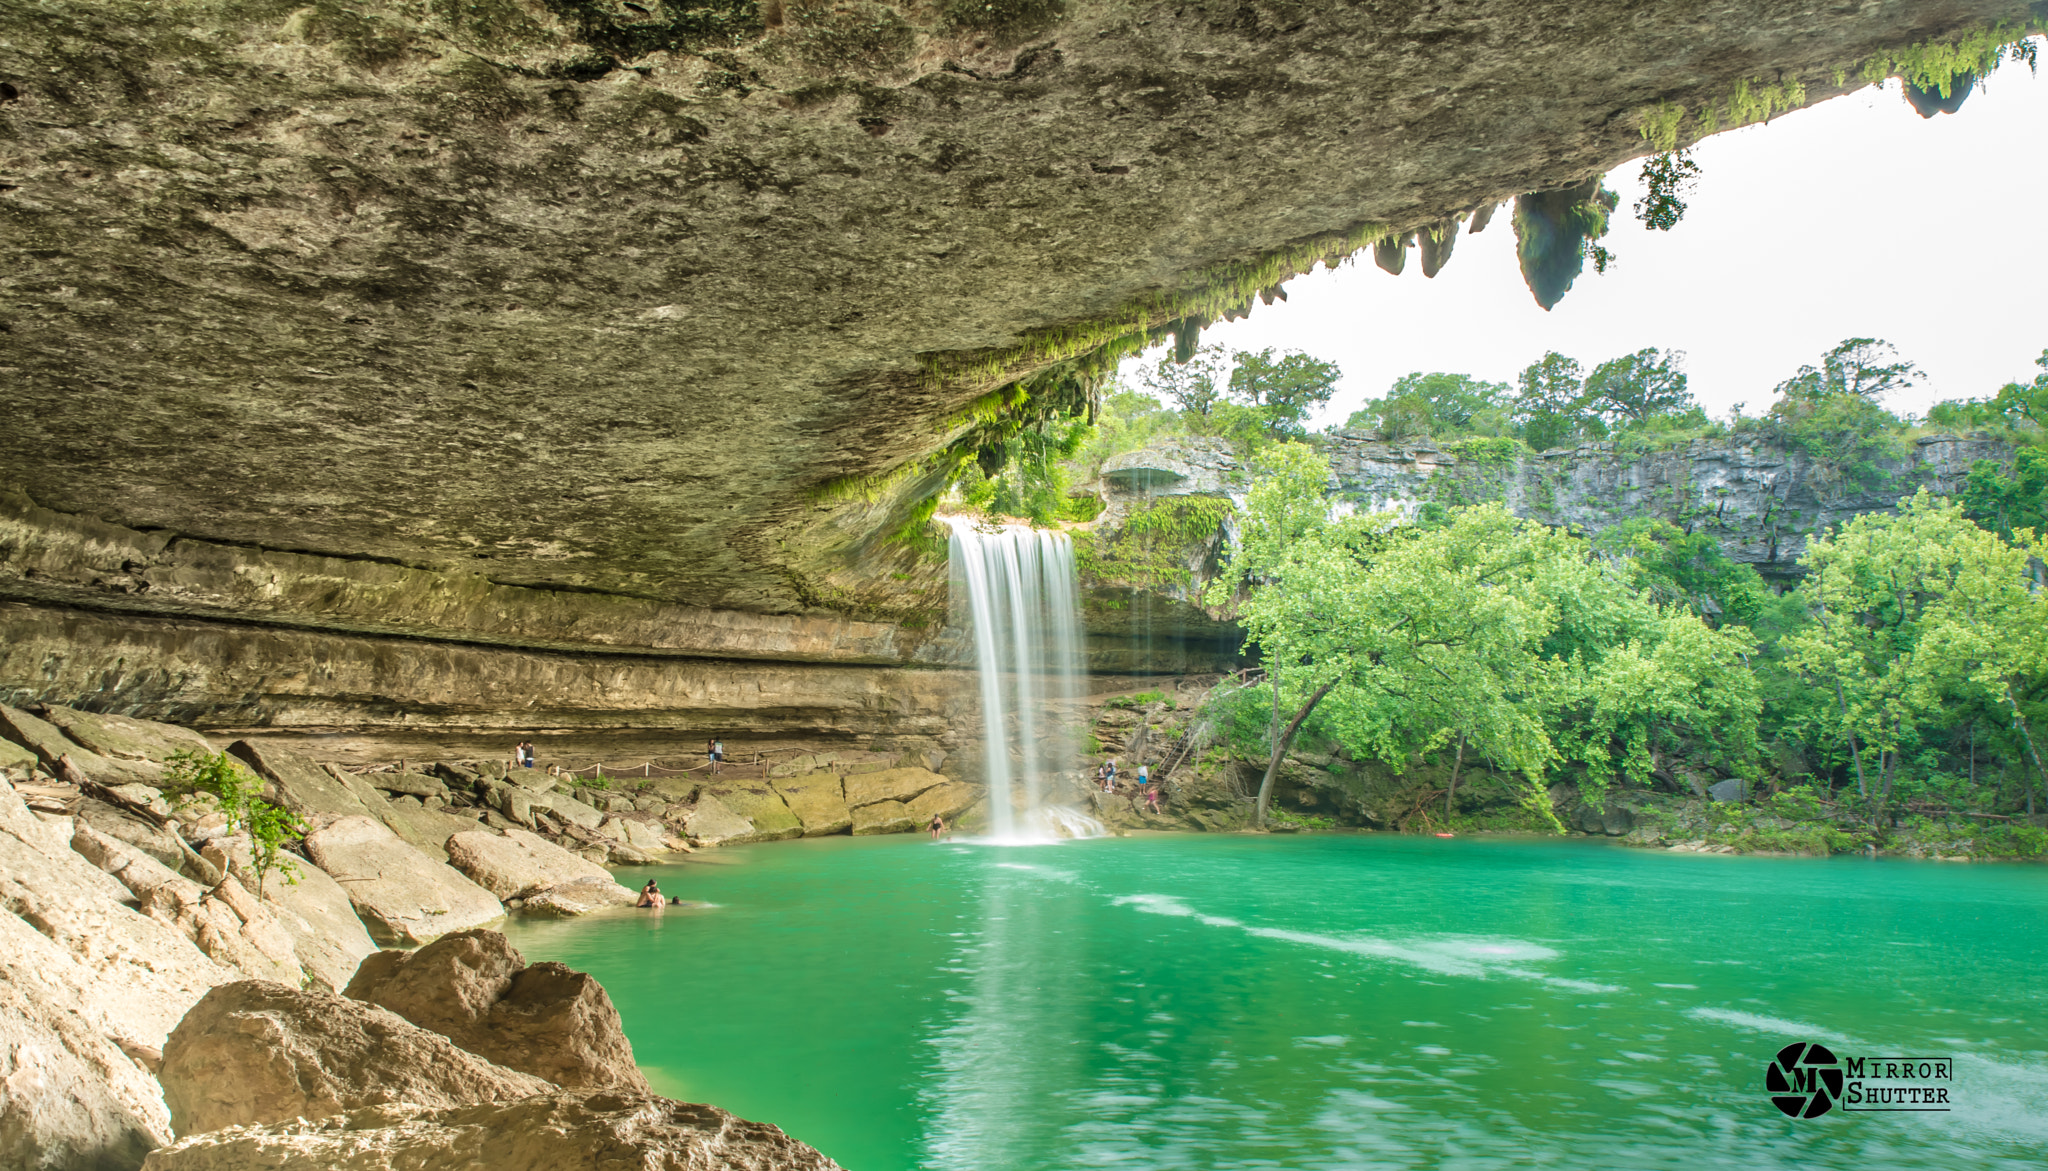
{"type": "Point", "coordinates": [1436, 404]}
{"type": "Point", "coordinates": [1550, 403]}
{"type": "Point", "coordinates": [2026, 401]}
{"type": "Point", "coordinates": [1911, 611]}
{"type": "Point", "coordinates": [1638, 387]}
{"type": "Point", "coordinates": [1283, 391]}
{"type": "Point", "coordinates": [1867, 368]}
{"type": "Point", "coordinates": [1832, 412]}
{"type": "Point", "coordinates": [1192, 387]}
{"type": "Point", "coordinates": [1501, 634]}
{"type": "Point", "coordinates": [2005, 503]}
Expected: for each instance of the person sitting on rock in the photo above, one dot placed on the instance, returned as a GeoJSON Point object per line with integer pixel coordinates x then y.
{"type": "Point", "coordinates": [650, 895]}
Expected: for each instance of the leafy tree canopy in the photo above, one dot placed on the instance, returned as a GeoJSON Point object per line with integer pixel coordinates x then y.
{"type": "Point", "coordinates": [1436, 404]}
{"type": "Point", "coordinates": [1867, 368]}
{"type": "Point", "coordinates": [1639, 386]}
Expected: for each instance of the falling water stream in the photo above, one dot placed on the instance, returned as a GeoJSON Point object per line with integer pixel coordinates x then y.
{"type": "Point", "coordinates": [1018, 588]}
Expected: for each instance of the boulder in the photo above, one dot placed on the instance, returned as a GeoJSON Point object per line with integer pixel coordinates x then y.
{"type": "Point", "coordinates": [50, 745]}
{"type": "Point", "coordinates": [71, 1098]}
{"type": "Point", "coordinates": [17, 758]}
{"type": "Point", "coordinates": [568, 1130]}
{"type": "Point", "coordinates": [569, 809]}
{"type": "Point", "coordinates": [226, 922]}
{"type": "Point", "coordinates": [254, 1052]}
{"type": "Point", "coordinates": [517, 864]}
{"type": "Point", "coordinates": [532, 780]}
{"type": "Point", "coordinates": [891, 784]}
{"type": "Point", "coordinates": [710, 822]}
{"type": "Point", "coordinates": [124, 738]}
{"type": "Point", "coordinates": [302, 786]}
{"type": "Point", "coordinates": [406, 785]}
{"type": "Point", "coordinates": [1732, 789]}
{"type": "Point", "coordinates": [515, 803]}
{"type": "Point", "coordinates": [138, 831]}
{"type": "Point", "coordinates": [400, 894]}
{"type": "Point", "coordinates": [642, 832]}
{"type": "Point", "coordinates": [477, 990]}
{"type": "Point", "coordinates": [426, 830]}
{"type": "Point", "coordinates": [885, 817]}
{"type": "Point", "coordinates": [315, 912]}
{"type": "Point", "coordinates": [581, 896]}
{"type": "Point", "coordinates": [763, 806]}
{"type": "Point", "coordinates": [948, 800]}
{"type": "Point", "coordinates": [143, 973]}
{"type": "Point", "coordinates": [819, 803]}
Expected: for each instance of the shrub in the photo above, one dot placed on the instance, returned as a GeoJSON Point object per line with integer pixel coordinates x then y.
{"type": "Point", "coordinates": [239, 797]}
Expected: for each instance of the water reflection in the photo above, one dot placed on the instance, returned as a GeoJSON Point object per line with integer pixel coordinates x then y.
{"type": "Point", "coordinates": [1000, 1056]}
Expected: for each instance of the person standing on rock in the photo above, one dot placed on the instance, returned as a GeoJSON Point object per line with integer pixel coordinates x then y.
{"type": "Point", "coordinates": [1109, 775]}
{"type": "Point", "coordinates": [715, 752]}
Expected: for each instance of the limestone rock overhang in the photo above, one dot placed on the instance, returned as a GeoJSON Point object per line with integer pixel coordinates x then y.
{"type": "Point", "coordinates": [582, 301]}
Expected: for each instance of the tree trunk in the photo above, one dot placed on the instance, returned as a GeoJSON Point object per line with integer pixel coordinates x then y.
{"type": "Point", "coordinates": [1280, 745]}
{"type": "Point", "coordinates": [2027, 737]}
{"type": "Point", "coordinates": [1455, 768]}
{"type": "Point", "coordinates": [1862, 790]}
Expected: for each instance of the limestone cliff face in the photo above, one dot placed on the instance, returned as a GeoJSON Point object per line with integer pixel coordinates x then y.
{"type": "Point", "coordinates": [1760, 500]}
{"type": "Point", "coordinates": [594, 296]}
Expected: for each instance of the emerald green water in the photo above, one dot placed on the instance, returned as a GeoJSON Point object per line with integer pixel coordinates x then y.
{"type": "Point", "coordinates": [1327, 1002]}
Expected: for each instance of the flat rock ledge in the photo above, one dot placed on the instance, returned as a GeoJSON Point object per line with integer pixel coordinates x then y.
{"type": "Point", "coordinates": [570, 1130]}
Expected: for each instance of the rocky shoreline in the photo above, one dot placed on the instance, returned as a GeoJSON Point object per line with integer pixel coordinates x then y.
{"type": "Point", "coordinates": [165, 1002]}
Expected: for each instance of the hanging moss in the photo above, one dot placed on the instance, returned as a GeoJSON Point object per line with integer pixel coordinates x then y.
{"type": "Point", "coordinates": [1155, 544]}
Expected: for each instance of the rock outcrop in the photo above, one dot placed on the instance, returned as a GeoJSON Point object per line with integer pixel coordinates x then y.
{"type": "Point", "coordinates": [89, 989]}
{"type": "Point", "coordinates": [516, 864]}
{"type": "Point", "coordinates": [400, 894]}
{"type": "Point", "coordinates": [570, 1130]}
{"type": "Point", "coordinates": [327, 938]}
{"type": "Point", "coordinates": [1759, 499]}
{"type": "Point", "coordinates": [253, 1052]}
{"type": "Point", "coordinates": [477, 990]}
{"type": "Point", "coordinates": [226, 921]}
{"type": "Point", "coordinates": [385, 288]}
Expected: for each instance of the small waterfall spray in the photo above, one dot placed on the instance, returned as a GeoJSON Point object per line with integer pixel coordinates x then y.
{"type": "Point", "coordinates": [1022, 600]}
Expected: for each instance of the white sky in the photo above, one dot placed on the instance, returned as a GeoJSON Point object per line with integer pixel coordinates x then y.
{"type": "Point", "coordinates": [1855, 218]}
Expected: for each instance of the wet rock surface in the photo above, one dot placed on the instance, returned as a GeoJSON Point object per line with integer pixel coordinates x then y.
{"type": "Point", "coordinates": [563, 1131]}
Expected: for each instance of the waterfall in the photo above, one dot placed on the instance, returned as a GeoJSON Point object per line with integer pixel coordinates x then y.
{"type": "Point", "coordinates": [1022, 601]}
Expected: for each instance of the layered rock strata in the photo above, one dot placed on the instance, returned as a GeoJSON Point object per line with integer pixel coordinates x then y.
{"type": "Point", "coordinates": [442, 286]}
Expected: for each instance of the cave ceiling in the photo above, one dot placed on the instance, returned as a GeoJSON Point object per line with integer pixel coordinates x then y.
{"type": "Point", "coordinates": [598, 296]}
